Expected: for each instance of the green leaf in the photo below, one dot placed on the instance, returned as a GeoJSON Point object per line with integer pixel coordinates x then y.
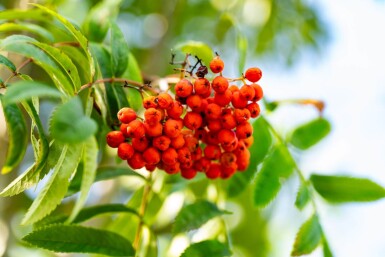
{"type": "Point", "coordinates": [212, 248]}
{"type": "Point", "coordinates": [75, 33]}
{"type": "Point", "coordinates": [23, 45]}
{"type": "Point", "coordinates": [17, 136]}
{"type": "Point", "coordinates": [71, 238]}
{"type": "Point", "coordinates": [340, 189]}
{"type": "Point", "coordinates": [242, 50]}
{"type": "Point", "coordinates": [326, 249]}
{"type": "Point", "coordinates": [69, 124]}
{"type": "Point", "coordinates": [303, 197]}
{"type": "Point", "coordinates": [133, 72]}
{"type": "Point", "coordinates": [29, 27]}
{"type": "Point", "coordinates": [309, 134]}
{"type": "Point", "coordinates": [90, 155]}
{"type": "Point", "coordinates": [277, 167]}
{"type": "Point", "coordinates": [18, 14]}
{"type": "Point", "coordinates": [195, 215]}
{"type": "Point", "coordinates": [225, 23]}
{"type": "Point", "coordinates": [64, 61]}
{"type": "Point", "coordinates": [56, 187]}
{"type": "Point", "coordinates": [25, 90]}
{"type": "Point", "coordinates": [97, 21]}
{"type": "Point", "coordinates": [7, 63]}
{"type": "Point", "coordinates": [261, 146]}
{"type": "Point", "coordinates": [119, 51]}
{"type": "Point", "coordinates": [308, 237]}
{"type": "Point", "coordinates": [200, 49]}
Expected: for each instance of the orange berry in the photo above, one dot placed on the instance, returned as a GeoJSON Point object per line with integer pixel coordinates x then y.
{"type": "Point", "coordinates": [125, 151]}
{"type": "Point", "coordinates": [258, 92]}
{"type": "Point", "coordinates": [126, 115]}
{"type": "Point", "coordinates": [247, 92]}
{"type": "Point", "coordinates": [140, 144]}
{"type": "Point", "coordinates": [184, 155]}
{"type": "Point", "coordinates": [253, 74]}
{"type": "Point", "coordinates": [220, 84]}
{"type": "Point", "coordinates": [227, 159]}
{"type": "Point", "coordinates": [172, 128]}
{"type": "Point", "coordinates": [175, 110]}
{"type": "Point", "coordinates": [202, 86]}
{"type": "Point", "coordinates": [154, 130]}
{"type": "Point", "coordinates": [214, 125]}
{"type": "Point", "coordinates": [217, 65]}
{"type": "Point", "coordinates": [172, 168]}
{"type": "Point", "coordinates": [197, 154]}
{"type": "Point", "coordinates": [135, 129]}
{"type": "Point", "coordinates": [183, 88]}
{"type": "Point", "coordinates": [150, 101]}
{"type": "Point", "coordinates": [194, 102]}
{"type": "Point", "coordinates": [230, 147]}
{"type": "Point", "coordinates": [233, 88]}
{"type": "Point", "coordinates": [243, 162]}
{"type": "Point", "coordinates": [191, 142]}
{"type": "Point", "coordinates": [244, 130]}
{"type": "Point", "coordinates": [164, 100]}
{"type": "Point", "coordinates": [152, 116]}
{"type": "Point", "coordinates": [192, 120]}
{"type": "Point", "coordinates": [223, 99]}
{"type": "Point", "coordinates": [228, 121]}
{"type": "Point", "coordinates": [211, 138]}
{"type": "Point", "coordinates": [202, 164]}
{"type": "Point", "coordinates": [178, 142]}
{"type": "Point", "coordinates": [186, 165]}
{"type": "Point", "coordinates": [226, 137]}
{"type": "Point", "coordinates": [188, 173]}
{"type": "Point", "coordinates": [136, 161]}
{"type": "Point", "coordinates": [169, 156]}
{"type": "Point", "coordinates": [238, 101]}
{"type": "Point", "coordinates": [227, 172]}
{"type": "Point", "coordinates": [241, 115]}
{"type": "Point", "coordinates": [248, 141]}
{"type": "Point", "coordinates": [123, 129]}
{"type": "Point", "coordinates": [214, 171]}
{"type": "Point", "coordinates": [114, 138]}
{"type": "Point", "coordinates": [213, 152]}
{"type": "Point", "coordinates": [213, 111]}
{"type": "Point", "coordinates": [150, 167]}
{"type": "Point", "coordinates": [161, 142]}
{"type": "Point", "coordinates": [151, 156]}
{"type": "Point", "coordinates": [253, 109]}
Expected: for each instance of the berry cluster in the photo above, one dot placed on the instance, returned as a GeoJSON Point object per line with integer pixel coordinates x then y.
{"type": "Point", "coordinates": [203, 128]}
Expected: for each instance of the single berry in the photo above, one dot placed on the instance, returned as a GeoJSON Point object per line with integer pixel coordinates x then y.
{"type": "Point", "coordinates": [214, 171]}
{"type": "Point", "coordinates": [172, 128]}
{"type": "Point", "coordinates": [223, 99]}
{"type": "Point", "coordinates": [114, 138]}
{"type": "Point", "coordinates": [149, 102]}
{"type": "Point", "coordinates": [253, 74]}
{"type": "Point", "coordinates": [164, 100]}
{"type": "Point", "coordinates": [183, 88]}
{"type": "Point", "coordinates": [254, 109]}
{"type": "Point", "coordinates": [135, 129]}
{"type": "Point", "coordinates": [175, 110]}
{"type": "Point", "coordinates": [217, 65]}
{"type": "Point", "coordinates": [140, 144]}
{"type": "Point", "coordinates": [202, 86]}
{"type": "Point", "coordinates": [258, 92]}
{"type": "Point", "coordinates": [192, 120]}
{"type": "Point", "coordinates": [126, 115]}
{"type": "Point", "coordinates": [220, 84]}
{"type": "Point", "coordinates": [125, 151]}
{"type": "Point", "coordinates": [169, 156]}
{"type": "Point", "coordinates": [188, 173]}
{"type": "Point", "coordinates": [151, 156]}
{"type": "Point", "coordinates": [247, 92]}
{"type": "Point", "coordinates": [161, 142]}
{"type": "Point", "coordinates": [136, 161]}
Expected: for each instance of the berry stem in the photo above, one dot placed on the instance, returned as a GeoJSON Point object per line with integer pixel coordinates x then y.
{"type": "Point", "coordinates": [318, 104]}
{"type": "Point", "coordinates": [70, 43]}
{"type": "Point", "coordinates": [126, 82]}
{"type": "Point", "coordinates": [17, 71]}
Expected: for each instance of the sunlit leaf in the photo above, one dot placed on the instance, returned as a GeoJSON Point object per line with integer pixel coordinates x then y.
{"type": "Point", "coordinates": [71, 238]}
{"type": "Point", "coordinates": [56, 187]}
{"type": "Point", "coordinates": [7, 63]}
{"type": "Point", "coordinates": [303, 197]}
{"type": "Point", "coordinates": [17, 136]}
{"type": "Point", "coordinates": [32, 28]}
{"type": "Point", "coordinates": [224, 24]}
{"type": "Point", "coordinates": [25, 90]}
{"type": "Point", "coordinates": [261, 146]}
{"type": "Point", "coordinates": [339, 189]}
{"type": "Point", "coordinates": [277, 167]}
{"type": "Point", "coordinates": [242, 50]}
{"type": "Point", "coordinates": [212, 248]}
{"type": "Point", "coordinates": [195, 215]}
{"type": "Point", "coordinates": [119, 50]}
{"type": "Point", "coordinates": [308, 237]}
{"type": "Point", "coordinates": [326, 249]}
{"type": "Point", "coordinates": [69, 124]}
{"type": "Point", "coordinates": [310, 133]}
{"type": "Point", "coordinates": [200, 49]}
{"type": "Point", "coordinates": [16, 14]}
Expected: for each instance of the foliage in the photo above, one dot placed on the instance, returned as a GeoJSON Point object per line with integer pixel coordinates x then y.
{"type": "Point", "coordinates": [87, 73]}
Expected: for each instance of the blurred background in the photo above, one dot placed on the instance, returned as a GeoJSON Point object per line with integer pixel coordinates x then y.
{"type": "Point", "coordinates": [328, 50]}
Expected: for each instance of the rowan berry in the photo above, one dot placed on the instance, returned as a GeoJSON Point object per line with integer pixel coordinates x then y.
{"type": "Point", "coordinates": [247, 92]}
{"type": "Point", "coordinates": [140, 144]}
{"type": "Point", "coordinates": [226, 136]}
{"type": "Point", "coordinates": [186, 165]}
{"type": "Point", "coordinates": [213, 111]}
{"type": "Point", "coordinates": [228, 121]}
{"type": "Point", "coordinates": [150, 102]}
{"type": "Point", "coordinates": [152, 116]}
{"type": "Point", "coordinates": [191, 142]}
{"type": "Point", "coordinates": [230, 147]}
{"type": "Point", "coordinates": [183, 88]}
{"type": "Point", "coordinates": [164, 100]}
{"type": "Point", "coordinates": [154, 130]}
{"type": "Point", "coordinates": [214, 125]}
{"type": "Point", "coordinates": [123, 129]}
{"type": "Point", "coordinates": [188, 173]}
{"type": "Point", "coordinates": [135, 129]}
{"type": "Point", "coordinates": [243, 163]}
{"type": "Point", "coordinates": [197, 154]}
{"type": "Point", "coordinates": [184, 155]}
{"type": "Point", "coordinates": [254, 109]}
{"type": "Point", "coordinates": [178, 142]}
{"type": "Point", "coordinates": [192, 120]}
{"type": "Point", "coordinates": [151, 156]}
{"type": "Point", "coordinates": [217, 65]}
{"type": "Point", "coordinates": [233, 88]}
{"type": "Point", "coordinates": [248, 141]}
{"type": "Point", "coordinates": [253, 74]}
{"type": "Point", "coordinates": [213, 152]}
{"type": "Point", "coordinates": [211, 138]}
{"type": "Point", "coordinates": [223, 99]}
{"type": "Point", "coordinates": [227, 172]}
{"type": "Point", "coordinates": [202, 164]}
{"type": "Point", "coordinates": [227, 159]}
{"type": "Point", "coordinates": [161, 142]}
{"type": "Point", "coordinates": [172, 168]}
{"type": "Point", "coordinates": [150, 167]}
{"type": "Point", "coordinates": [244, 130]}
{"type": "Point", "coordinates": [202, 86]}
{"type": "Point", "coordinates": [214, 171]}
{"type": "Point", "coordinates": [169, 156]}
{"type": "Point", "coordinates": [200, 133]}
{"type": "Point", "coordinates": [220, 84]}
{"type": "Point", "coordinates": [258, 92]}
{"type": "Point", "coordinates": [126, 115]}
{"type": "Point", "coordinates": [114, 138]}
{"type": "Point", "coordinates": [136, 161]}
{"type": "Point", "coordinates": [194, 102]}
{"type": "Point", "coordinates": [125, 151]}
{"type": "Point", "coordinates": [175, 110]}
{"type": "Point", "coordinates": [238, 101]}
{"type": "Point", "coordinates": [241, 115]}
{"type": "Point", "coordinates": [172, 128]}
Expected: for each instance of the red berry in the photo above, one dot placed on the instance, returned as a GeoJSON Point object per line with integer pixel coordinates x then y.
{"type": "Point", "coordinates": [253, 74]}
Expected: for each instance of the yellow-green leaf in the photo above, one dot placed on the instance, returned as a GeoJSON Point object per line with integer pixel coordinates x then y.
{"type": "Point", "coordinates": [308, 237]}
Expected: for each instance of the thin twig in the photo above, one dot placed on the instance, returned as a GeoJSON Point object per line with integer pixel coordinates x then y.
{"type": "Point", "coordinates": [126, 82]}
{"type": "Point", "coordinates": [17, 71]}
{"type": "Point", "coordinates": [74, 44]}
